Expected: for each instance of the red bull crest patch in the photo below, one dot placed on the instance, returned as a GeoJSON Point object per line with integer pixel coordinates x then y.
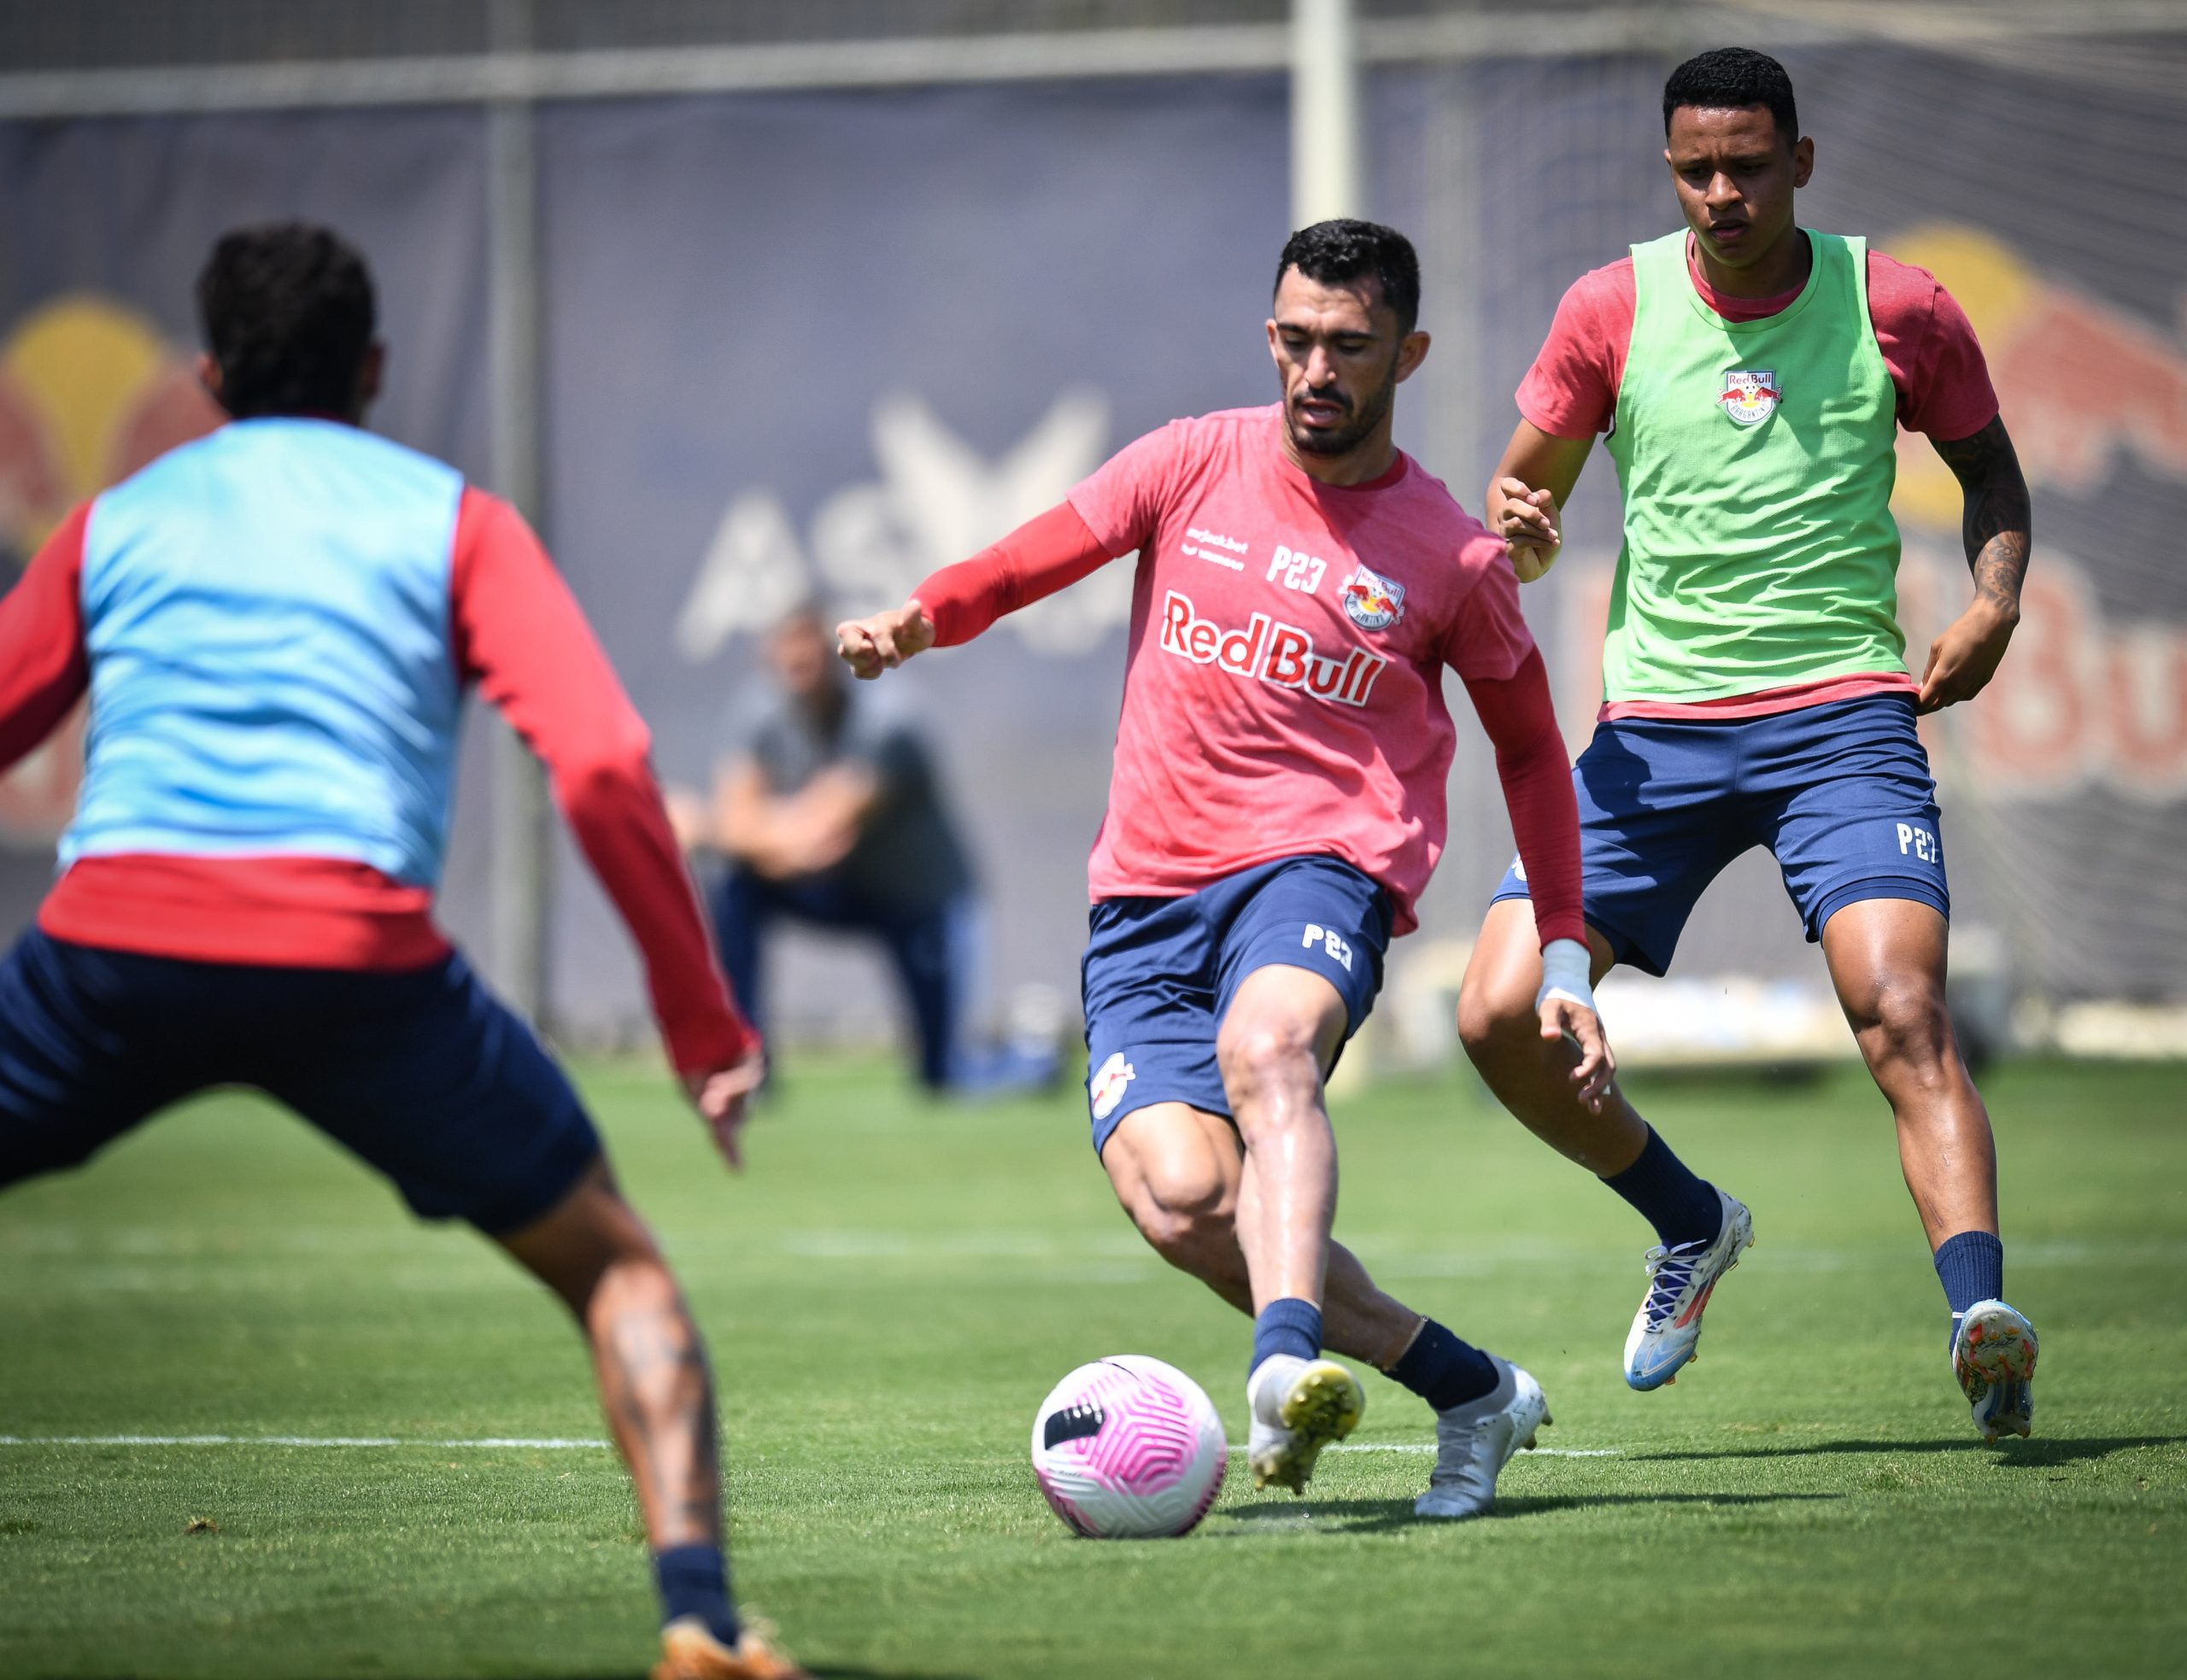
{"type": "Point", "coordinates": [1750, 395]}
{"type": "Point", "coordinates": [1371, 600]}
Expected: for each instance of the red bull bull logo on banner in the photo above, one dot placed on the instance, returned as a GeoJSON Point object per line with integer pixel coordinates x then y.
{"type": "Point", "coordinates": [2084, 385]}
{"type": "Point", "coordinates": [89, 393]}
{"type": "Point", "coordinates": [1266, 651]}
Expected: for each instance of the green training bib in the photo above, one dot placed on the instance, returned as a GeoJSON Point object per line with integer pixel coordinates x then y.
{"type": "Point", "coordinates": [1757, 461]}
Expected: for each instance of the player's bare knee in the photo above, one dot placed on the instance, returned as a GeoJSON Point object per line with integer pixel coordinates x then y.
{"type": "Point", "coordinates": [1905, 1030]}
{"type": "Point", "coordinates": [1189, 1218]}
{"type": "Point", "coordinates": [1265, 1057]}
{"type": "Point", "coordinates": [1496, 1016]}
{"type": "Point", "coordinates": [587, 1237]}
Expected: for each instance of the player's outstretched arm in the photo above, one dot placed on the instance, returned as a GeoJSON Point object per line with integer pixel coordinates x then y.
{"type": "Point", "coordinates": [520, 633]}
{"type": "Point", "coordinates": [1997, 529]}
{"type": "Point", "coordinates": [1527, 495]}
{"type": "Point", "coordinates": [1044, 555]}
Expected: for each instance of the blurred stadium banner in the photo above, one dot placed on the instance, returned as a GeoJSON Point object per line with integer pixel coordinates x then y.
{"type": "Point", "coordinates": [815, 308]}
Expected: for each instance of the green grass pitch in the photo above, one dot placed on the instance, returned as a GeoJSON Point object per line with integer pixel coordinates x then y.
{"type": "Point", "coordinates": [894, 1285]}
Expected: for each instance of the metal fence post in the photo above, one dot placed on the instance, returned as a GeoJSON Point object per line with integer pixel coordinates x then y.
{"type": "Point", "coordinates": [523, 882]}
{"type": "Point", "coordinates": [1327, 179]}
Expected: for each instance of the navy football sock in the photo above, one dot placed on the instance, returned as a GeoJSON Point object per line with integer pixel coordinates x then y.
{"type": "Point", "coordinates": [1442, 1370]}
{"type": "Point", "coordinates": [1682, 1207]}
{"type": "Point", "coordinates": [1289, 1326]}
{"type": "Point", "coordinates": [695, 1582]}
{"type": "Point", "coordinates": [1971, 1268]}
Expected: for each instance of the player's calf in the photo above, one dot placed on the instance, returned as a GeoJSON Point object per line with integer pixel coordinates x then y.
{"type": "Point", "coordinates": [1499, 1024]}
{"type": "Point", "coordinates": [656, 1388]}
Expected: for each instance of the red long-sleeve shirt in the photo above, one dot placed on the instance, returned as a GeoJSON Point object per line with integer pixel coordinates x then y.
{"type": "Point", "coordinates": [1058, 548]}
{"type": "Point", "coordinates": [516, 631]}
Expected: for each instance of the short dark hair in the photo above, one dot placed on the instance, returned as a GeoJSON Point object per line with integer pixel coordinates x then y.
{"type": "Point", "coordinates": [288, 313]}
{"type": "Point", "coordinates": [1732, 79]}
{"type": "Point", "coordinates": [1333, 252]}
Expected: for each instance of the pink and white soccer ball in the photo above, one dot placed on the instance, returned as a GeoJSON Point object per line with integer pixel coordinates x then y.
{"type": "Point", "coordinates": [1129, 1448]}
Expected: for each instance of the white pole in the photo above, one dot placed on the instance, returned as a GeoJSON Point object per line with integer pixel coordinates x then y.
{"type": "Point", "coordinates": [1326, 179]}
{"type": "Point", "coordinates": [523, 888]}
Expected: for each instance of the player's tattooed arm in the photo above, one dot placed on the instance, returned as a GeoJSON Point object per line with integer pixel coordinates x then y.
{"type": "Point", "coordinates": [1996, 523]}
{"type": "Point", "coordinates": [1996, 528]}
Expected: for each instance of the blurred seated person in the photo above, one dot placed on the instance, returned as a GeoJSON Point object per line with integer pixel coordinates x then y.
{"type": "Point", "coordinates": [827, 811]}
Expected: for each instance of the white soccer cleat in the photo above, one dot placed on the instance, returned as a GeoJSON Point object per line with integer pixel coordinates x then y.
{"type": "Point", "coordinates": [1679, 1281]}
{"type": "Point", "coordinates": [1993, 1358]}
{"type": "Point", "coordinates": [1475, 1441]}
{"type": "Point", "coordinates": [1298, 1406]}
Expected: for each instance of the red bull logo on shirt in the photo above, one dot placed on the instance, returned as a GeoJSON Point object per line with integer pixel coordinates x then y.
{"type": "Point", "coordinates": [1750, 395]}
{"type": "Point", "coordinates": [1268, 652]}
{"type": "Point", "coordinates": [1371, 600]}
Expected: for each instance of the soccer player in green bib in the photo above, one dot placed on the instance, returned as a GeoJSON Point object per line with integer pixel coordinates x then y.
{"type": "Point", "coordinates": [1752, 376]}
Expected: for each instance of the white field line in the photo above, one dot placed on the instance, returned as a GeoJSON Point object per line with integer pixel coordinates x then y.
{"type": "Point", "coordinates": [1429, 1447]}
{"type": "Point", "coordinates": [69, 1240]}
{"type": "Point", "coordinates": [553, 1443]}
{"type": "Point", "coordinates": [559, 1443]}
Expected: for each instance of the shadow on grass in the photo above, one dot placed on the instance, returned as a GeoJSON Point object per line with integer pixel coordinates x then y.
{"type": "Point", "coordinates": [822, 1670]}
{"type": "Point", "coordinates": [1374, 1516]}
{"type": "Point", "coordinates": [2038, 1454]}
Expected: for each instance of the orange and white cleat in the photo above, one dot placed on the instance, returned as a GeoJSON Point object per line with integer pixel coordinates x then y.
{"type": "Point", "coordinates": [689, 1650]}
{"type": "Point", "coordinates": [1993, 1357]}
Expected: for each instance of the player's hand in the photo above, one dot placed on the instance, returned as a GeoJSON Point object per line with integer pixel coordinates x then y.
{"type": "Point", "coordinates": [691, 818]}
{"type": "Point", "coordinates": [1963, 659]}
{"type": "Point", "coordinates": [1526, 519]}
{"type": "Point", "coordinates": [1594, 1073]}
{"type": "Point", "coordinates": [871, 646]}
{"type": "Point", "coordinates": [722, 1098]}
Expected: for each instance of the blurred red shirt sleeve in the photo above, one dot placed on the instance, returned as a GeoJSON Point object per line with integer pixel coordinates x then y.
{"type": "Point", "coordinates": [44, 668]}
{"type": "Point", "coordinates": [519, 633]}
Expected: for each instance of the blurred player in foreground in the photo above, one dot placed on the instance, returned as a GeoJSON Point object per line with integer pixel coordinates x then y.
{"type": "Point", "coordinates": [276, 625]}
{"type": "Point", "coordinates": [829, 810]}
{"type": "Point", "coordinates": [1753, 377]}
{"type": "Point", "coordinates": [1277, 805]}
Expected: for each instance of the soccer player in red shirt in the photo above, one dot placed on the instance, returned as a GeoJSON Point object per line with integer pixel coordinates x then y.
{"type": "Point", "coordinates": [276, 625]}
{"type": "Point", "coordinates": [1753, 377]}
{"type": "Point", "coordinates": [1277, 805]}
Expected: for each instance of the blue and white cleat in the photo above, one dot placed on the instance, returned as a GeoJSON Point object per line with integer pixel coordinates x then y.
{"type": "Point", "coordinates": [1993, 1357]}
{"type": "Point", "coordinates": [1680, 1282]}
{"type": "Point", "coordinates": [1297, 1407]}
{"type": "Point", "coordinates": [1475, 1441]}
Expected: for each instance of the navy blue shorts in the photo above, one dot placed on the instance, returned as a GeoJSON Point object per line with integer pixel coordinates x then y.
{"type": "Point", "coordinates": [1160, 974]}
{"type": "Point", "coordinates": [422, 1075]}
{"type": "Point", "coordinates": [1840, 793]}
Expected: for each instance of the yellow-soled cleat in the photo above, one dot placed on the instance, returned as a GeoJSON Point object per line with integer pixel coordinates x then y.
{"type": "Point", "coordinates": [1298, 1406]}
{"type": "Point", "coordinates": [689, 1650]}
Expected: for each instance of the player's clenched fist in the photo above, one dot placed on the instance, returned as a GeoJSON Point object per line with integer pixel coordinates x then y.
{"type": "Point", "coordinates": [1526, 518]}
{"type": "Point", "coordinates": [871, 646]}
